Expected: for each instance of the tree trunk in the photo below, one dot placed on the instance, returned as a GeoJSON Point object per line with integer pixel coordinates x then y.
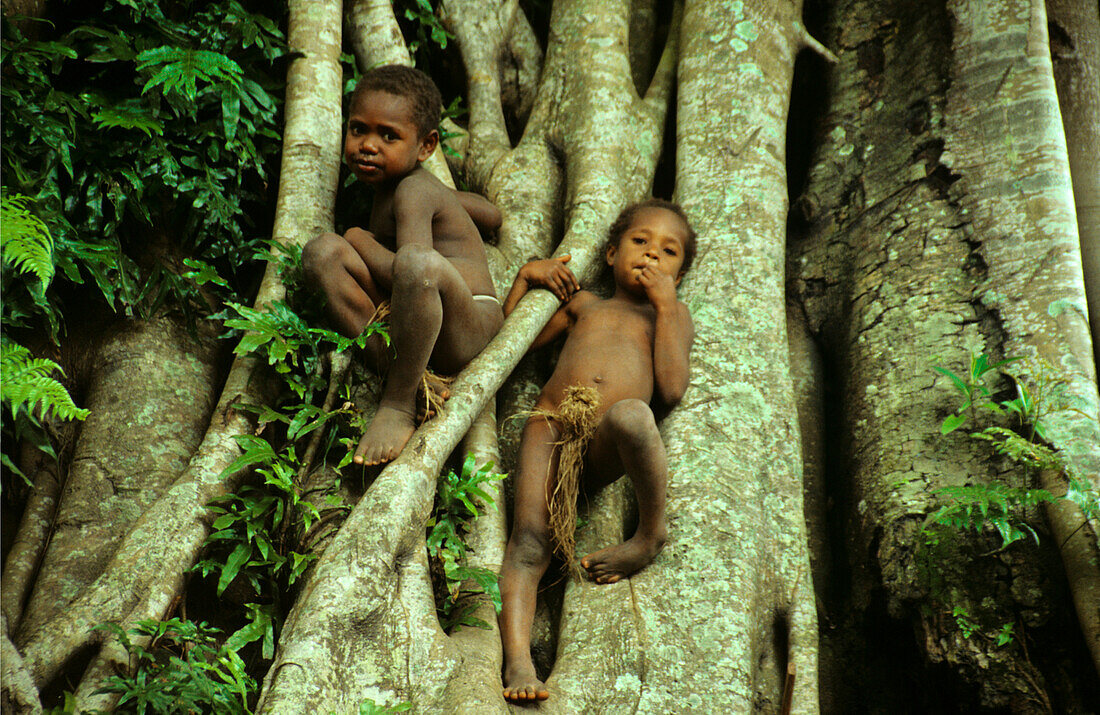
{"type": "Point", "coordinates": [939, 193]}
{"type": "Point", "coordinates": [1075, 51]}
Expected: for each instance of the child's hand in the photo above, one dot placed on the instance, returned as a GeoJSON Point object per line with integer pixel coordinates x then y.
{"type": "Point", "coordinates": [553, 275]}
{"type": "Point", "coordinates": [659, 286]}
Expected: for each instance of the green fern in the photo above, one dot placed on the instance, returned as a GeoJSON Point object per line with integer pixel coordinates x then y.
{"type": "Point", "coordinates": [180, 70]}
{"type": "Point", "coordinates": [130, 115]}
{"type": "Point", "coordinates": [972, 508]}
{"type": "Point", "coordinates": [25, 242]}
{"type": "Point", "coordinates": [27, 385]}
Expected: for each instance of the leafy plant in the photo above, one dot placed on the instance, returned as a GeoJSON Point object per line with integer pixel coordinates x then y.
{"type": "Point", "coordinates": [176, 666]}
{"type": "Point", "coordinates": [252, 521]}
{"type": "Point", "coordinates": [138, 134]}
{"type": "Point", "coordinates": [973, 387]}
{"type": "Point", "coordinates": [426, 27]}
{"type": "Point", "coordinates": [1039, 392]}
{"type": "Point", "coordinates": [29, 390]}
{"type": "Point", "coordinates": [288, 343]}
{"type": "Point", "coordinates": [455, 510]}
{"type": "Point", "coordinates": [962, 619]}
{"type": "Point", "coordinates": [972, 508]}
{"type": "Point", "coordinates": [256, 531]}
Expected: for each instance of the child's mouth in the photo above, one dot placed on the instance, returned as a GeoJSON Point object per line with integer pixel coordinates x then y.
{"type": "Point", "coordinates": [368, 167]}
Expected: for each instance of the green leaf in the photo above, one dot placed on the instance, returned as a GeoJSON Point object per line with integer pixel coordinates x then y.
{"type": "Point", "coordinates": [203, 273]}
{"type": "Point", "coordinates": [256, 451]}
{"type": "Point", "coordinates": [176, 69]}
{"type": "Point", "coordinates": [952, 423]}
{"type": "Point", "coordinates": [233, 564]}
{"type": "Point", "coordinates": [27, 385]}
{"type": "Point", "coordinates": [959, 383]}
{"type": "Point", "coordinates": [25, 242]}
{"type": "Point", "coordinates": [128, 116]}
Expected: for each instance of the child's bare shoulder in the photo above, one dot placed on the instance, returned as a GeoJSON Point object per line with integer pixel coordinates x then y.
{"type": "Point", "coordinates": [580, 301]}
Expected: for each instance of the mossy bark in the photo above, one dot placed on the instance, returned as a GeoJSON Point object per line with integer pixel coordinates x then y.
{"type": "Point", "coordinates": [911, 202]}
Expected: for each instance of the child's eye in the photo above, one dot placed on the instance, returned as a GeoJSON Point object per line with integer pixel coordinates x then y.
{"type": "Point", "coordinates": [638, 240]}
{"type": "Point", "coordinates": [670, 252]}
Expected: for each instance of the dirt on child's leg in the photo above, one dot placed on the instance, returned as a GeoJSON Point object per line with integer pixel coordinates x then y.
{"type": "Point", "coordinates": [627, 440]}
{"type": "Point", "coordinates": [525, 561]}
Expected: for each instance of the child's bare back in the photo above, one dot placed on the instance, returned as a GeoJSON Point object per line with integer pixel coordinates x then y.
{"type": "Point", "coordinates": [632, 349]}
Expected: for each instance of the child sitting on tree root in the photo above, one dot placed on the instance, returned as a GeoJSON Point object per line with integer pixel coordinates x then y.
{"type": "Point", "coordinates": [422, 252]}
{"type": "Point", "coordinates": [594, 415]}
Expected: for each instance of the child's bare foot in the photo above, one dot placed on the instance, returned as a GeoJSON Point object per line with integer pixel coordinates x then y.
{"type": "Point", "coordinates": [522, 686]}
{"type": "Point", "coordinates": [622, 560]}
{"type": "Point", "coordinates": [385, 437]}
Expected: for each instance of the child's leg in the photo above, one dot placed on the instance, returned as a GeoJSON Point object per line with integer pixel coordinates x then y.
{"type": "Point", "coordinates": [335, 266]}
{"type": "Point", "coordinates": [526, 558]}
{"type": "Point", "coordinates": [627, 440]}
{"type": "Point", "coordinates": [426, 288]}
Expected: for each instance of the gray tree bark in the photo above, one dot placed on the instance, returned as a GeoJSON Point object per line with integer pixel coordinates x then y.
{"type": "Point", "coordinates": [939, 223]}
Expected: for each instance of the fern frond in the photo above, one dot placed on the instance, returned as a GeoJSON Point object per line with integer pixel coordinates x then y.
{"type": "Point", "coordinates": [179, 69]}
{"type": "Point", "coordinates": [128, 116]}
{"type": "Point", "coordinates": [25, 241]}
{"type": "Point", "coordinates": [28, 384]}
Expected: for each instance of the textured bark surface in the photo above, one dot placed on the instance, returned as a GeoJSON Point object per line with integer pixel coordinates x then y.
{"type": "Point", "coordinates": [902, 264]}
{"type": "Point", "coordinates": [134, 586]}
{"type": "Point", "coordinates": [150, 403]}
{"type": "Point", "coordinates": [1074, 36]}
{"type": "Point", "coordinates": [1016, 189]}
{"type": "Point", "coordinates": [735, 500]}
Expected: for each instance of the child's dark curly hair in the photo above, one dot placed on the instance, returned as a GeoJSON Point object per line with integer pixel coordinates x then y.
{"type": "Point", "coordinates": [406, 82]}
{"type": "Point", "coordinates": [626, 217]}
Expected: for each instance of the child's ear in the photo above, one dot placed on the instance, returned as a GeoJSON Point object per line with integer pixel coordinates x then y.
{"type": "Point", "coordinates": [427, 145]}
{"type": "Point", "coordinates": [679, 277]}
{"type": "Point", "coordinates": [611, 254]}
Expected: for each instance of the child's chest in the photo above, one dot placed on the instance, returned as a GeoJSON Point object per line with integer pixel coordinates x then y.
{"type": "Point", "coordinates": [382, 223]}
{"type": "Point", "coordinates": [613, 322]}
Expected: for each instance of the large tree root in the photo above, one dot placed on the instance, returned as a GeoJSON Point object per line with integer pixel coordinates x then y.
{"type": "Point", "coordinates": [130, 450]}
{"type": "Point", "coordinates": [18, 693]}
{"type": "Point", "coordinates": [30, 540]}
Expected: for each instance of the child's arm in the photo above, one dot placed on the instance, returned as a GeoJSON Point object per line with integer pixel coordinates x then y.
{"type": "Point", "coordinates": [552, 274]}
{"type": "Point", "coordinates": [415, 203]}
{"type": "Point", "coordinates": [486, 216]}
{"type": "Point", "coordinates": [673, 333]}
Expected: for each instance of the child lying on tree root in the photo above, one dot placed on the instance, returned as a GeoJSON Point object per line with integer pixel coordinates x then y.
{"type": "Point", "coordinates": [423, 252]}
{"type": "Point", "coordinates": [594, 417]}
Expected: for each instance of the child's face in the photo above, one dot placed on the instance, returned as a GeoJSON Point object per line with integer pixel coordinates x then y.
{"type": "Point", "coordinates": [655, 237]}
{"type": "Point", "coordinates": [381, 143]}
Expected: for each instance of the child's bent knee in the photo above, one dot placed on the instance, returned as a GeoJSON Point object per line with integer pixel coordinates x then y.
{"type": "Point", "coordinates": [322, 251]}
{"type": "Point", "coordinates": [529, 548]}
{"type": "Point", "coordinates": [631, 417]}
{"type": "Point", "coordinates": [417, 265]}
